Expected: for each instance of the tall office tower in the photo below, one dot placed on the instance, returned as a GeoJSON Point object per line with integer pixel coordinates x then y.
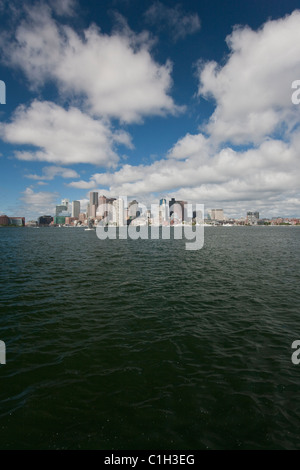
{"type": "Point", "coordinates": [59, 209]}
{"type": "Point", "coordinates": [163, 212]}
{"type": "Point", "coordinates": [102, 206]}
{"type": "Point", "coordinates": [75, 209]}
{"type": "Point", "coordinates": [65, 202]}
{"type": "Point", "coordinates": [93, 204]}
{"type": "Point", "coordinates": [118, 212]}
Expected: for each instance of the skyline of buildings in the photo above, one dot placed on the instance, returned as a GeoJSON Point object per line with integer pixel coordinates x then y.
{"type": "Point", "coordinates": [114, 211]}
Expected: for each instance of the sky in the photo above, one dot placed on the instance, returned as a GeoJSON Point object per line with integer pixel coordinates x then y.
{"type": "Point", "coordinates": [151, 99]}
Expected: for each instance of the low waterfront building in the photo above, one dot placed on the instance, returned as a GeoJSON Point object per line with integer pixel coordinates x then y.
{"type": "Point", "coordinates": [252, 218]}
{"type": "Point", "coordinates": [216, 214]}
{"type": "Point", "coordinates": [45, 220]}
{"type": "Point", "coordinates": [4, 220]}
{"type": "Point", "coordinates": [59, 220]}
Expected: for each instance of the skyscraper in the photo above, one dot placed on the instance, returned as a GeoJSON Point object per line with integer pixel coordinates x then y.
{"type": "Point", "coordinates": [118, 212]}
{"type": "Point", "coordinates": [75, 209]}
{"type": "Point", "coordinates": [93, 204]}
{"type": "Point", "coordinates": [65, 202]}
{"type": "Point", "coordinates": [163, 213]}
{"type": "Point", "coordinates": [61, 208]}
{"type": "Point", "coordinates": [102, 206]}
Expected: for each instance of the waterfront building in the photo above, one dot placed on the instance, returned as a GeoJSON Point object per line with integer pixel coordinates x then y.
{"type": "Point", "coordinates": [65, 202]}
{"type": "Point", "coordinates": [163, 212]}
{"type": "Point", "coordinates": [93, 204]}
{"type": "Point", "coordinates": [60, 208]}
{"type": "Point", "coordinates": [70, 220]}
{"type": "Point", "coordinates": [177, 210]}
{"type": "Point", "coordinates": [252, 218]}
{"type": "Point", "coordinates": [102, 207]}
{"type": "Point", "coordinates": [59, 220]}
{"type": "Point", "coordinates": [216, 214]}
{"type": "Point", "coordinates": [15, 221]}
{"type": "Point", "coordinates": [45, 220]}
{"type": "Point", "coordinates": [75, 209]}
{"type": "Point", "coordinates": [133, 210]}
{"type": "Point", "coordinates": [82, 217]}
{"type": "Point", "coordinates": [118, 212]}
{"type": "Point", "coordinates": [4, 220]}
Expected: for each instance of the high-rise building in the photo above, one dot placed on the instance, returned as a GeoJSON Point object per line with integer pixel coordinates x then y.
{"type": "Point", "coordinates": [61, 208]}
{"type": "Point", "coordinates": [65, 202]}
{"type": "Point", "coordinates": [75, 209]}
{"type": "Point", "coordinates": [102, 206]}
{"type": "Point", "coordinates": [118, 212]}
{"type": "Point", "coordinates": [93, 204]}
{"type": "Point", "coordinates": [163, 212]}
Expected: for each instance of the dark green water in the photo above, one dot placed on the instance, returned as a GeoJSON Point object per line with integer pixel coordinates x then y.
{"type": "Point", "coordinates": [144, 345]}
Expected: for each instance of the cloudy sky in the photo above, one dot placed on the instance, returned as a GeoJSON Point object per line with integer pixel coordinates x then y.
{"type": "Point", "coordinates": [150, 99]}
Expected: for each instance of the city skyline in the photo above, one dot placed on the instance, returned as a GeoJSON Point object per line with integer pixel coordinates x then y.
{"type": "Point", "coordinates": [120, 211]}
{"type": "Point", "coordinates": [166, 112]}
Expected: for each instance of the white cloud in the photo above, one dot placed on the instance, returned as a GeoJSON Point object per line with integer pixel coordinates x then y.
{"type": "Point", "coordinates": [50, 172]}
{"type": "Point", "coordinates": [253, 89]}
{"type": "Point", "coordinates": [39, 203]}
{"type": "Point", "coordinates": [179, 23]}
{"type": "Point", "coordinates": [64, 7]}
{"type": "Point", "coordinates": [114, 74]}
{"type": "Point", "coordinates": [82, 184]}
{"type": "Point", "coordinates": [62, 136]}
{"type": "Point", "coordinates": [232, 178]}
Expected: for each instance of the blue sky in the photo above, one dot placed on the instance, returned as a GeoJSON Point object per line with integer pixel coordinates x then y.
{"type": "Point", "coordinates": [150, 99]}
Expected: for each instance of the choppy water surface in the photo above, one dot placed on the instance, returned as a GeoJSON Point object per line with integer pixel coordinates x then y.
{"type": "Point", "coordinates": [123, 344]}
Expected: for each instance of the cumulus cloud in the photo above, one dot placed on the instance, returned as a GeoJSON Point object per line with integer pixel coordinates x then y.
{"type": "Point", "coordinates": [64, 7]}
{"type": "Point", "coordinates": [50, 172]}
{"type": "Point", "coordinates": [227, 177]}
{"type": "Point", "coordinates": [173, 19]}
{"type": "Point", "coordinates": [115, 74]}
{"type": "Point", "coordinates": [253, 89]}
{"type": "Point", "coordinates": [62, 136]}
{"type": "Point", "coordinates": [37, 203]}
